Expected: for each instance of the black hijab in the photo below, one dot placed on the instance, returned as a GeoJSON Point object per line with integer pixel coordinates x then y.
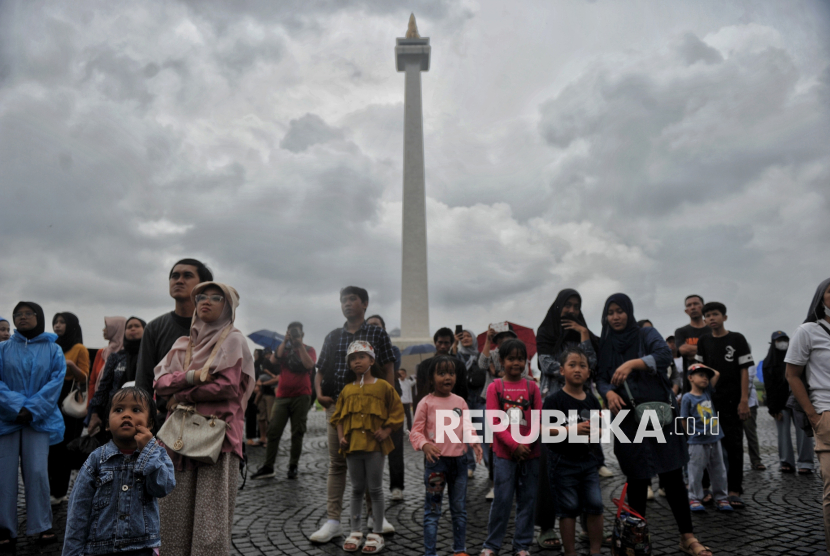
{"type": "Point", "coordinates": [551, 336]}
{"type": "Point", "coordinates": [131, 349]}
{"type": "Point", "coordinates": [615, 348]}
{"type": "Point", "coordinates": [40, 327]}
{"type": "Point", "coordinates": [72, 335]}
{"type": "Point", "coordinates": [817, 312]}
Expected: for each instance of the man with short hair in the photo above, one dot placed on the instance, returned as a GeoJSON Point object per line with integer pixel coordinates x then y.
{"type": "Point", "coordinates": [162, 332]}
{"type": "Point", "coordinates": [728, 353]}
{"type": "Point", "coordinates": [687, 337]}
{"type": "Point", "coordinates": [443, 340]}
{"type": "Point", "coordinates": [330, 381]}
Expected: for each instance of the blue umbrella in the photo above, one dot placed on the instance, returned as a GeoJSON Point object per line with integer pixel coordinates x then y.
{"type": "Point", "coordinates": [266, 338]}
{"type": "Point", "coordinates": [418, 349]}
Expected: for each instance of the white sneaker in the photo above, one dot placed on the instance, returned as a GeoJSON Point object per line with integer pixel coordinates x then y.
{"type": "Point", "coordinates": [490, 494]}
{"type": "Point", "coordinates": [57, 501]}
{"type": "Point", "coordinates": [327, 532]}
{"type": "Point", "coordinates": [661, 492]}
{"type": "Point", "coordinates": [650, 495]}
{"type": "Point", "coordinates": [605, 472]}
{"type": "Point", "coordinates": [387, 527]}
{"type": "Point", "coordinates": [471, 473]}
{"type": "Point", "coordinates": [397, 495]}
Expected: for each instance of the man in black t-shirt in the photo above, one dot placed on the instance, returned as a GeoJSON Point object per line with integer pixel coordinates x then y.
{"type": "Point", "coordinates": [728, 353]}
{"type": "Point", "coordinates": [687, 337]}
{"type": "Point", "coordinates": [162, 332]}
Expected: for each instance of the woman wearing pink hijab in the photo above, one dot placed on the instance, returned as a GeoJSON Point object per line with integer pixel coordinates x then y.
{"type": "Point", "coordinates": [196, 518]}
{"type": "Point", "coordinates": [114, 333]}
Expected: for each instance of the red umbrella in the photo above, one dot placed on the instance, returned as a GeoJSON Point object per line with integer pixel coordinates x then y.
{"type": "Point", "coordinates": [524, 333]}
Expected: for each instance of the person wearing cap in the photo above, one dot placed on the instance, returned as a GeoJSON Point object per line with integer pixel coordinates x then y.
{"type": "Point", "coordinates": [704, 435]}
{"type": "Point", "coordinates": [368, 410]}
{"type": "Point", "coordinates": [777, 393]}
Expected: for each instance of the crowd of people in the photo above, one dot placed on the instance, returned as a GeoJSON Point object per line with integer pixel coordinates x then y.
{"type": "Point", "coordinates": [148, 478]}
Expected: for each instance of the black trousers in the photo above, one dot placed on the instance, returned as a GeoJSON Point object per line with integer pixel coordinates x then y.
{"type": "Point", "coordinates": [396, 460]}
{"type": "Point", "coordinates": [733, 446]}
{"type": "Point", "coordinates": [250, 420]}
{"type": "Point", "coordinates": [676, 495]}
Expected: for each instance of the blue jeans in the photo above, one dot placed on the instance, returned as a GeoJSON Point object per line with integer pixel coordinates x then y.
{"type": "Point", "coordinates": [29, 449]}
{"type": "Point", "coordinates": [450, 472]}
{"type": "Point", "coordinates": [574, 486]}
{"type": "Point", "coordinates": [513, 478]}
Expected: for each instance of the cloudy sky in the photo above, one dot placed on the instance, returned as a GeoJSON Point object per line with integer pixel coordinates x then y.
{"type": "Point", "coordinates": [654, 148]}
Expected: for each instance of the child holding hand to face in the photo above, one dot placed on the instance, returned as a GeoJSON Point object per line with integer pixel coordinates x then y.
{"type": "Point", "coordinates": [114, 504]}
{"type": "Point", "coordinates": [368, 410]}
{"type": "Point", "coordinates": [445, 459]}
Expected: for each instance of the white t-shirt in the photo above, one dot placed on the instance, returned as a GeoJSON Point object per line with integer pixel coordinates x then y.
{"type": "Point", "coordinates": [407, 385]}
{"type": "Point", "coordinates": [810, 347]}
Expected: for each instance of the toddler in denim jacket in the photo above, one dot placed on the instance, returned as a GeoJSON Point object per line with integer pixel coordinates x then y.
{"type": "Point", "coordinates": [114, 508]}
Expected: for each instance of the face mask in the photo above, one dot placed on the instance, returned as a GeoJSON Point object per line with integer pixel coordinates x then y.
{"type": "Point", "coordinates": [781, 344]}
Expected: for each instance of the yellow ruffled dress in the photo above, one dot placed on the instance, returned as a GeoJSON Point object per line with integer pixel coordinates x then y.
{"type": "Point", "coordinates": [362, 410]}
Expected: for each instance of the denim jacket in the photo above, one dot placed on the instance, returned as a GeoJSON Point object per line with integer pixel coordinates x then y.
{"type": "Point", "coordinates": [114, 504]}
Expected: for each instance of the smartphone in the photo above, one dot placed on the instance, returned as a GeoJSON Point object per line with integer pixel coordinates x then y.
{"type": "Point", "coordinates": [459, 329]}
{"type": "Point", "coordinates": [500, 327]}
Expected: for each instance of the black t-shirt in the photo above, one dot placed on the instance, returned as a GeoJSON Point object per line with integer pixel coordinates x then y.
{"type": "Point", "coordinates": [564, 402]}
{"type": "Point", "coordinates": [728, 355]}
{"type": "Point", "coordinates": [689, 335]}
{"type": "Point", "coordinates": [266, 365]}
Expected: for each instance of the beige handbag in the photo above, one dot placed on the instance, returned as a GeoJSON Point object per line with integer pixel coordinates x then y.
{"type": "Point", "coordinates": [74, 404]}
{"type": "Point", "coordinates": [189, 433]}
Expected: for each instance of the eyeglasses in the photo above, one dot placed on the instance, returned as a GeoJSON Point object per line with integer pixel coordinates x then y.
{"type": "Point", "coordinates": [213, 298]}
{"type": "Point", "coordinates": [27, 314]}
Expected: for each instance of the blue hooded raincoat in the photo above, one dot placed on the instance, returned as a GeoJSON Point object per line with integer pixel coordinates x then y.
{"type": "Point", "coordinates": [31, 376]}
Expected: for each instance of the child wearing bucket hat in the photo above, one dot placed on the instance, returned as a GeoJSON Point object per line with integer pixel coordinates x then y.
{"type": "Point", "coordinates": [704, 438]}
{"type": "Point", "coordinates": [367, 412]}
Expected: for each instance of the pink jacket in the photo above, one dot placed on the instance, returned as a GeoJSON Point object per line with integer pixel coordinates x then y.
{"type": "Point", "coordinates": [221, 397]}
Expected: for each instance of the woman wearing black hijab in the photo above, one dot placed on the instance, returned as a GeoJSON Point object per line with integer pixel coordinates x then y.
{"type": "Point", "coordinates": [119, 369]}
{"type": "Point", "coordinates": [564, 326]}
{"type": "Point", "coordinates": [61, 461]}
{"type": "Point", "coordinates": [637, 356]}
{"type": "Point", "coordinates": [778, 391]}
{"type": "Point", "coordinates": [810, 348]}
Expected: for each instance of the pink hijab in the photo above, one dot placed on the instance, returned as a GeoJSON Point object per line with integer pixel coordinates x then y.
{"type": "Point", "coordinates": [220, 335]}
{"type": "Point", "coordinates": [115, 327]}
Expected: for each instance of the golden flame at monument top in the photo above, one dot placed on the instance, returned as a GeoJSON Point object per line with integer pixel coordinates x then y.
{"type": "Point", "coordinates": [412, 28]}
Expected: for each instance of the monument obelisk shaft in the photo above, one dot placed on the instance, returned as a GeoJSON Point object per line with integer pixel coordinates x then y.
{"type": "Point", "coordinates": [412, 57]}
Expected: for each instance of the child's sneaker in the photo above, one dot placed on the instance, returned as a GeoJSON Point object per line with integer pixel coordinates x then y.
{"type": "Point", "coordinates": [696, 506]}
{"type": "Point", "coordinates": [490, 494]}
{"type": "Point", "coordinates": [724, 506]}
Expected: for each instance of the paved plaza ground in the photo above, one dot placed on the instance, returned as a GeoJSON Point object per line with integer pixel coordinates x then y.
{"type": "Point", "coordinates": [276, 516]}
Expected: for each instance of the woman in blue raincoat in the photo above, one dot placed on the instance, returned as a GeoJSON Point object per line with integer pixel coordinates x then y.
{"type": "Point", "coordinates": [32, 370]}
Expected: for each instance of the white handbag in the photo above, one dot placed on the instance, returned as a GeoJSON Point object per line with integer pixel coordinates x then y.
{"type": "Point", "coordinates": [193, 435]}
{"type": "Point", "coordinates": [74, 404]}
{"type": "Point", "coordinates": [189, 433]}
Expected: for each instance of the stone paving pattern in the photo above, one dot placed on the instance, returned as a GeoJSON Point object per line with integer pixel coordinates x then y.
{"type": "Point", "coordinates": [276, 516]}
